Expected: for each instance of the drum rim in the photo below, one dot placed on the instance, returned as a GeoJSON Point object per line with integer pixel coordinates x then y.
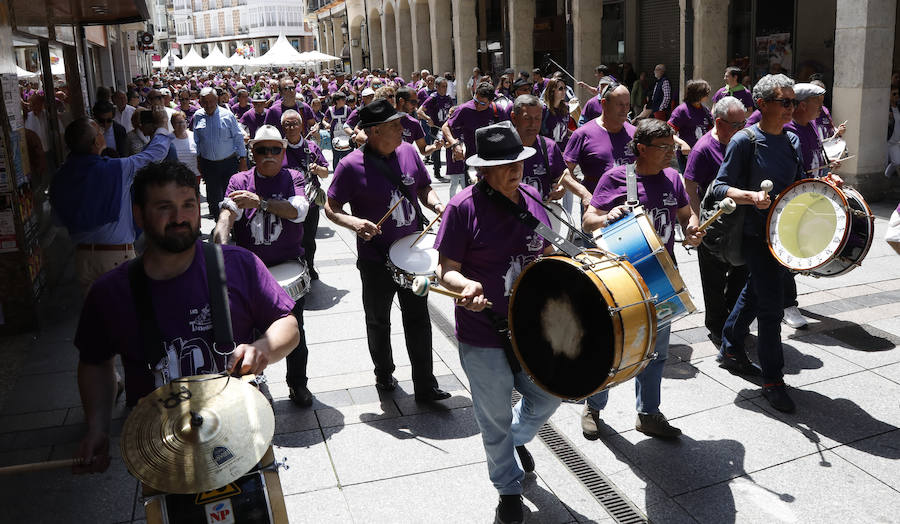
{"type": "Point", "coordinates": [617, 321]}
{"type": "Point", "coordinates": [870, 221]}
{"type": "Point", "coordinates": [668, 265]}
{"type": "Point", "coordinates": [410, 238]}
{"type": "Point", "coordinates": [780, 197]}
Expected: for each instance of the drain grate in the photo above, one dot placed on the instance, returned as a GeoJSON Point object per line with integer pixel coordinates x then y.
{"type": "Point", "coordinates": [619, 507]}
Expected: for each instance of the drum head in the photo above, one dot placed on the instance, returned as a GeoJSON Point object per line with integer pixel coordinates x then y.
{"type": "Point", "coordinates": [834, 148]}
{"type": "Point", "coordinates": [561, 328]}
{"type": "Point", "coordinates": [807, 224]}
{"type": "Point", "coordinates": [420, 259]}
{"type": "Point", "coordinates": [287, 272]}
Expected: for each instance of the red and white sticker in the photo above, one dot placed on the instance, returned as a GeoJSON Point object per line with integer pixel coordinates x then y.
{"type": "Point", "coordinates": [219, 512]}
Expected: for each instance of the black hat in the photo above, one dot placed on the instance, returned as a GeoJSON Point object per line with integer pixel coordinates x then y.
{"type": "Point", "coordinates": [520, 83]}
{"type": "Point", "coordinates": [378, 112]}
{"type": "Point", "coordinates": [497, 145]}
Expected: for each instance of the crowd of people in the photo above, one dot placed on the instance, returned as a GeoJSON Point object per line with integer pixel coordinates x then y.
{"type": "Point", "coordinates": [256, 141]}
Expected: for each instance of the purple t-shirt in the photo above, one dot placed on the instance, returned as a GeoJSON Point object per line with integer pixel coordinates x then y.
{"type": "Point", "coordinates": [535, 173]}
{"type": "Point", "coordinates": [703, 162]}
{"type": "Point", "coordinates": [493, 247]}
{"type": "Point", "coordinates": [825, 124]}
{"type": "Point", "coordinates": [691, 122]}
{"type": "Point", "coordinates": [423, 94]}
{"type": "Point", "coordinates": [438, 108]}
{"type": "Point", "coordinates": [466, 120]}
{"type": "Point", "coordinates": [296, 157]}
{"type": "Point", "coordinates": [109, 323]}
{"type": "Point", "coordinates": [810, 146]}
{"type": "Point", "coordinates": [592, 109]}
{"type": "Point", "coordinates": [272, 238]}
{"type": "Point", "coordinates": [412, 129]}
{"type": "Point", "coordinates": [661, 195]}
{"type": "Point", "coordinates": [239, 111]}
{"type": "Point", "coordinates": [539, 87]}
{"type": "Point", "coordinates": [596, 150]}
{"type": "Point", "coordinates": [555, 126]}
{"type": "Point", "coordinates": [337, 116]}
{"type": "Point", "coordinates": [253, 121]}
{"type": "Point", "coordinates": [741, 93]}
{"type": "Point", "coordinates": [359, 182]}
{"type": "Point", "coordinates": [273, 114]}
{"type": "Point", "coordinates": [353, 119]}
{"type": "Point", "coordinates": [755, 117]}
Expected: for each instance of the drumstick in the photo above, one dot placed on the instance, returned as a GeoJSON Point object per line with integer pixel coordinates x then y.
{"type": "Point", "coordinates": [422, 234]}
{"type": "Point", "coordinates": [726, 206]}
{"type": "Point", "coordinates": [41, 466]}
{"type": "Point", "coordinates": [421, 286]}
{"type": "Point", "coordinates": [391, 210]}
{"type": "Point", "coordinates": [766, 185]}
{"type": "Point", "coordinates": [827, 166]}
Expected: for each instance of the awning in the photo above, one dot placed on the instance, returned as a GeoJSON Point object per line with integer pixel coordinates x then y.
{"type": "Point", "coordinates": [95, 12]}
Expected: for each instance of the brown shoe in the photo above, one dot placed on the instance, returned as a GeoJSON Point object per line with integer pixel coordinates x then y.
{"type": "Point", "coordinates": [656, 425]}
{"type": "Point", "coordinates": [590, 423]}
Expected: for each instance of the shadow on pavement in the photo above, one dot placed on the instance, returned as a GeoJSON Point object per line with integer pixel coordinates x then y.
{"type": "Point", "coordinates": [545, 502]}
{"type": "Point", "coordinates": [840, 419]}
{"type": "Point", "coordinates": [322, 296]}
{"type": "Point", "coordinates": [854, 336]}
{"type": "Point", "coordinates": [324, 232]}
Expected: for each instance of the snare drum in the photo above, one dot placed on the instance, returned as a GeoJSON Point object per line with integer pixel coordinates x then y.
{"type": "Point", "coordinates": [255, 498]}
{"type": "Point", "coordinates": [407, 261]}
{"type": "Point", "coordinates": [834, 148]}
{"type": "Point", "coordinates": [293, 277]}
{"type": "Point", "coordinates": [819, 229]}
{"type": "Point", "coordinates": [581, 325]}
{"type": "Point", "coordinates": [634, 238]}
{"type": "Point", "coordinates": [341, 143]}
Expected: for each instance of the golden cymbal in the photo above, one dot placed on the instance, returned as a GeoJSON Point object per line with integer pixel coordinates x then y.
{"type": "Point", "coordinates": [197, 434]}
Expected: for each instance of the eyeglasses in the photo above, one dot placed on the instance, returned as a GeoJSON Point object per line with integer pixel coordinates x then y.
{"type": "Point", "coordinates": [103, 120]}
{"type": "Point", "coordinates": [263, 150]}
{"type": "Point", "coordinates": [665, 147]}
{"type": "Point", "coordinates": [287, 88]}
{"type": "Point", "coordinates": [736, 125]}
{"type": "Point", "coordinates": [785, 102]}
{"type": "Point", "coordinates": [290, 125]}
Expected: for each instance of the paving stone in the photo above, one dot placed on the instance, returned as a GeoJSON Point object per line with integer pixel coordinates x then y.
{"type": "Point", "coordinates": [33, 420]}
{"type": "Point", "coordinates": [670, 512]}
{"type": "Point", "coordinates": [889, 325]}
{"type": "Point", "coordinates": [309, 465]}
{"type": "Point", "coordinates": [357, 413]}
{"type": "Point", "coordinates": [50, 357]}
{"type": "Point", "coordinates": [429, 441]}
{"type": "Point", "coordinates": [863, 345]}
{"type": "Point", "coordinates": [25, 456]}
{"type": "Point", "coordinates": [890, 372]}
{"type": "Point", "coordinates": [323, 506]}
{"type": "Point", "coordinates": [802, 490]}
{"type": "Point", "coordinates": [409, 406]}
{"type": "Point", "coordinates": [717, 445]}
{"type": "Point", "coordinates": [842, 410]}
{"type": "Point", "coordinates": [44, 392]}
{"type": "Point", "coordinates": [290, 418]}
{"type": "Point", "coordinates": [352, 355]}
{"type": "Point", "coordinates": [877, 456]}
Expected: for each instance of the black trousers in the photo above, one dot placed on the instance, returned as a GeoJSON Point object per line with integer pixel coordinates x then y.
{"type": "Point", "coordinates": [722, 284]}
{"type": "Point", "coordinates": [310, 226]}
{"type": "Point", "coordinates": [378, 290]}
{"type": "Point", "coordinates": [297, 359]}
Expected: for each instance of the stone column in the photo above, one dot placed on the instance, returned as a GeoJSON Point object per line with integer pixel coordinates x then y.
{"type": "Point", "coordinates": [465, 41]}
{"type": "Point", "coordinates": [404, 40]}
{"type": "Point", "coordinates": [338, 38]}
{"type": "Point", "coordinates": [441, 34]}
{"type": "Point", "coordinates": [320, 36]}
{"type": "Point", "coordinates": [863, 49]}
{"type": "Point", "coordinates": [521, 34]}
{"type": "Point", "coordinates": [356, 15]}
{"type": "Point", "coordinates": [329, 36]}
{"type": "Point", "coordinates": [376, 55]}
{"type": "Point", "coordinates": [710, 39]}
{"type": "Point", "coordinates": [389, 38]}
{"type": "Point", "coordinates": [587, 16]}
{"type": "Point", "coordinates": [421, 26]}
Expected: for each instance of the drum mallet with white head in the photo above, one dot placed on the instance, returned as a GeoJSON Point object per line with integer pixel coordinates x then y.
{"type": "Point", "coordinates": [421, 286]}
{"type": "Point", "coordinates": [766, 185]}
{"type": "Point", "coordinates": [726, 206]}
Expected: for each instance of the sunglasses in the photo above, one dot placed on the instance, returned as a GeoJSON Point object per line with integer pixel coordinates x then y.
{"type": "Point", "coordinates": [785, 102]}
{"type": "Point", "coordinates": [479, 102]}
{"type": "Point", "coordinates": [263, 150]}
{"type": "Point", "coordinates": [103, 120]}
{"type": "Point", "coordinates": [665, 147]}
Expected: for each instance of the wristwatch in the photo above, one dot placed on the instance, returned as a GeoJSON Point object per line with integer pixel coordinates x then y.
{"type": "Point", "coordinates": [264, 205]}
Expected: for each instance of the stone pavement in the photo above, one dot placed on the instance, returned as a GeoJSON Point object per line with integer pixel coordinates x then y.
{"type": "Point", "coordinates": [364, 457]}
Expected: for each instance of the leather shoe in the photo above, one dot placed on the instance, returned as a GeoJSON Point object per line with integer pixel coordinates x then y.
{"type": "Point", "coordinates": [590, 423]}
{"type": "Point", "coordinates": [432, 395]}
{"type": "Point", "coordinates": [656, 425]}
{"type": "Point", "coordinates": [738, 364]}
{"type": "Point", "coordinates": [301, 396]}
{"type": "Point", "coordinates": [509, 510]}
{"type": "Point", "coordinates": [778, 397]}
{"type": "Point", "coordinates": [388, 383]}
{"type": "Point", "coordinates": [525, 458]}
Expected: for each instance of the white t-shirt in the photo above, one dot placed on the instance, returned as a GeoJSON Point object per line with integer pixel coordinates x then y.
{"type": "Point", "coordinates": [186, 149]}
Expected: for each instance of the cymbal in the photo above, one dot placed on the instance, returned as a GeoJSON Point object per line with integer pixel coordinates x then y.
{"type": "Point", "coordinates": [197, 434]}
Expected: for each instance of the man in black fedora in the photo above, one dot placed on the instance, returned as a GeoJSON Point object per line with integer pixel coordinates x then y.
{"type": "Point", "coordinates": [372, 180]}
{"type": "Point", "coordinates": [482, 248]}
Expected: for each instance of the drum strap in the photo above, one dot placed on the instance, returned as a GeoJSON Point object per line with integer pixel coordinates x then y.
{"type": "Point", "coordinates": [631, 187]}
{"type": "Point", "coordinates": [529, 220]}
{"type": "Point", "coordinates": [218, 295]}
{"type": "Point", "coordinates": [394, 179]}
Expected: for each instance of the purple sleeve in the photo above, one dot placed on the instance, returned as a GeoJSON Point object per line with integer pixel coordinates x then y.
{"type": "Point", "coordinates": [573, 148]}
{"type": "Point", "coordinates": [450, 241]}
{"type": "Point", "coordinates": [353, 119]}
{"type": "Point", "coordinates": [317, 151]}
{"type": "Point", "coordinates": [681, 195]}
{"type": "Point", "coordinates": [422, 177]}
{"type": "Point", "coordinates": [417, 131]}
{"type": "Point", "coordinates": [234, 184]}
{"type": "Point", "coordinates": [343, 187]}
{"type": "Point", "coordinates": [307, 112]}
{"type": "Point", "coordinates": [679, 117]}
{"type": "Point", "coordinates": [557, 163]}
{"type": "Point", "coordinates": [93, 336]}
{"type": "Point", "coordinates": [607, 193]}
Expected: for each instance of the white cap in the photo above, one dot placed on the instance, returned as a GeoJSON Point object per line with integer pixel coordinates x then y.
{"type": "Point", "coordinates": [368, 92]}
{"type": "Point", "coordinates": [165, 92]}
{"type": "Point", "coordinates": [804, 90]}
{"type": "Point", "coordinates": [268, 133]}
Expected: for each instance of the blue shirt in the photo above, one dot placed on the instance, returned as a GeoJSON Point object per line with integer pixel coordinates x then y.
{"type": "Point", "coordinates": [777, 159]}
{"type": "Point", "coordinates": [218, 136]}
{"type": "Point", "coordinates": [122, 230]}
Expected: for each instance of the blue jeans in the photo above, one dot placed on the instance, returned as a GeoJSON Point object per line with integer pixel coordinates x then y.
{"type": "Point", "coordinates": [763, 299]}
{"type": "Point", "coordinates": [647, 383]}
{"type": "Point", "coordinates": [502, 429]}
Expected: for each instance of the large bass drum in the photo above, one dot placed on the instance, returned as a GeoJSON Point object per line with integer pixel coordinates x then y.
{"type": "Point", "coordinates": [819, 229]}
{"type": "Point", "coordinates": [581, 325]}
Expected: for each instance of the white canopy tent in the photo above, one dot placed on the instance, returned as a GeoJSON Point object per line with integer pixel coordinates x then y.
{"type": "Point", "coordinates": [192, 59]}
{"type": "Point", "coordinates": [314, 57]}
{"type": "Point", "coordinates": [281, 54]}
{"type": "Point", "coordinates": [236, 60]}
{"type": "Point", "coordinates": [22, 73]}
{"type": "Point", "coordinates": [216, 58]}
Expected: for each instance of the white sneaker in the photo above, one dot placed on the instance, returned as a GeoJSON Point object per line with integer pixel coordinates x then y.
{"type": "Point", "coordinates": [793, 318]}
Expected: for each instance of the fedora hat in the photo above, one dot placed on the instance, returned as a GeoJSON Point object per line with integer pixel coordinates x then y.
{"type": "Point", "coordinates": [378, 112]}
{"type": "Point", "coordinates": [268, 133]}
{"type": "Point", "coordinates": [498, 144]}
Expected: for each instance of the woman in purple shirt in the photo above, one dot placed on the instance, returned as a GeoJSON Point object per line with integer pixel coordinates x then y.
{"type": "Point", "coordinates": [691, 119]}
{"type": "Point", "coordinates": [555, 124]}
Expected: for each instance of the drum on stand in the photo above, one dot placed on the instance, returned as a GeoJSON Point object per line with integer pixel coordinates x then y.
{"type": "Point", "coordinates": [293, 277]}
{"type": "Point", "coordinates": [407, 261]}
{"type": "Point", "coordinates": [581, 325]}
{"type": "Point", "coordinates": [818, 229]}
{"type": "Point", "coordinates": [634, 238]}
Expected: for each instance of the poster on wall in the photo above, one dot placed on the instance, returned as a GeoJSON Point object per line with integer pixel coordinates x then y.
{"type": "Point", "coordinates": [774, 54]}
{"type": "Point", "coordinates": [11, 101]}
{"type": "Point", "coordinates": [8, 242]}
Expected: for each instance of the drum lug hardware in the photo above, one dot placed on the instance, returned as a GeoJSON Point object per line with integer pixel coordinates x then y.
{"type": "Point", "coordinates": [848, 261]}
{"type": "Point", "coordinates": [650, 300]}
